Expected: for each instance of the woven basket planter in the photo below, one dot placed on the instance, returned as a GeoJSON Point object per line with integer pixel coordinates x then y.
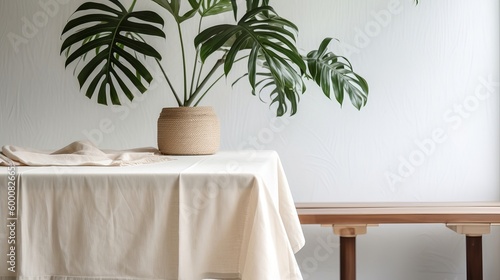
{"type": "Point", "coordinates": [188, 131]}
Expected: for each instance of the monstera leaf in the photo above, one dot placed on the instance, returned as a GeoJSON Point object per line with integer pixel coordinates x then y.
{"type": "Point", "coordinates": [334, 73]}
{"type": "Point", "coordinates": [215, 7]}
{"type": "Point", "coordinates": [174, 8]}
{"type": "Point", "coordinates": [271, 39]}
{"type": "Point", "coordinates": [283, 96]}
{"type": "Point", "coordinates": [253, 4]}
{"type": "Point", "coordinates": [116, 36]}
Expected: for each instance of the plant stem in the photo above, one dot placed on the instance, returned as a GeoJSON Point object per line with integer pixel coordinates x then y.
{"type": "Point", "coordinates": [132, 6]}
{"type": "Point", "coordinates": [205, 80]}
{"type": "Point", "coordinates": [208, 89]}
{"type": "Point", "coordinates": [183, 63]}
{"type": "Point", "coordinates": [179, 102]}
{"type": "Point", "coordinates": [199, 74]}
{"type": "Point", "coordinates": [195, 63]}
{"type": "Point", "coordinates": [213, 84]}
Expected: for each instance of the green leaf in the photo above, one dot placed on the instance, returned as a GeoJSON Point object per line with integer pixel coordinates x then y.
{"type": "Point", "coordinates": [252, 66]}
{"type": "Point", "coordinates": [253, 4]}
{"type": "Point", "coordinates": [174, 8]}
{"type": "Point", "coordinates": [215, 7]}
{"type": "Point", "coordinates": [271, 41]}
{"type": "Point", "coordinates": [335, 73]}
{"type": "Point", "coordinates": [106, 32]}
{"type": "Point", "coordinates": [235, 9]}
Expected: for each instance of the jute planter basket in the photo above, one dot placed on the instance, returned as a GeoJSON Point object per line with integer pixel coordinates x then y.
{"type": "Point", "coordinates": [188, 131]}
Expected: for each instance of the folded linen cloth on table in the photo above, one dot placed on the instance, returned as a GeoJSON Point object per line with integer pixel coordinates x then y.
{"type": "Point", "coordinates": [79, 153]}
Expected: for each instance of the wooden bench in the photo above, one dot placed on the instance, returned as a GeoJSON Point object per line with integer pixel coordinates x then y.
{"type": "Point", "coordinates": [349, 220]}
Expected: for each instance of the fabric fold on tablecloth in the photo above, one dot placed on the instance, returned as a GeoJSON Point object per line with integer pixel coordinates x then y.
{"type": "Point", "coordinates": [223, 216]}
{"type": "Point", "coordinates": [79, 153]}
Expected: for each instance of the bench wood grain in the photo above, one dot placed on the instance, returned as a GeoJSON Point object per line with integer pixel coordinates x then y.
{"type": "Point", "coordinates": [350, 219]}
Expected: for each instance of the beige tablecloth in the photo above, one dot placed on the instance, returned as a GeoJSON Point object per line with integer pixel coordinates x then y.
{"type": "Point", "coordinates": [230, 216]}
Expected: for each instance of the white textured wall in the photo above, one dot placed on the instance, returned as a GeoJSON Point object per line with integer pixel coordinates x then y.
{"type": "Point", "coordinates": [430, 131]}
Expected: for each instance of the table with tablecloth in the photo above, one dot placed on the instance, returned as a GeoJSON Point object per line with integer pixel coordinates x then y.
{"type": "Point", "coordinates": [224, 216]}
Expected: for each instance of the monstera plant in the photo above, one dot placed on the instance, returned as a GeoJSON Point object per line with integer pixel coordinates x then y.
{"type": "Point", "coordinates": [109, 42]}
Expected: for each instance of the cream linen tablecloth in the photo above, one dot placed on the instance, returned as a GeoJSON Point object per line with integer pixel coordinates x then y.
{"type": "Point", "coordinates": [229, 215]}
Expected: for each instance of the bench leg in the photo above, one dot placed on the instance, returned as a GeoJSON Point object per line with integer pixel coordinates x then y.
{"type": "Point", "coordinates": [348, 235]}
{"type": "Point", "coordinates": [474, 247]}
{"type": "Point", "coordinates": [347, 258]}
{"type": "Point", "coordinates": [474, 257]}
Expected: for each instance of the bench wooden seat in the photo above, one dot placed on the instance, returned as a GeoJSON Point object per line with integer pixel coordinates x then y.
{"type": "Point", "coordinates": [351, 219]}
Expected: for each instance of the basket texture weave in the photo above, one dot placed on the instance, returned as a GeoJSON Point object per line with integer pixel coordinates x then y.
{"type": "Point", "coordinates": [188, 131]}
